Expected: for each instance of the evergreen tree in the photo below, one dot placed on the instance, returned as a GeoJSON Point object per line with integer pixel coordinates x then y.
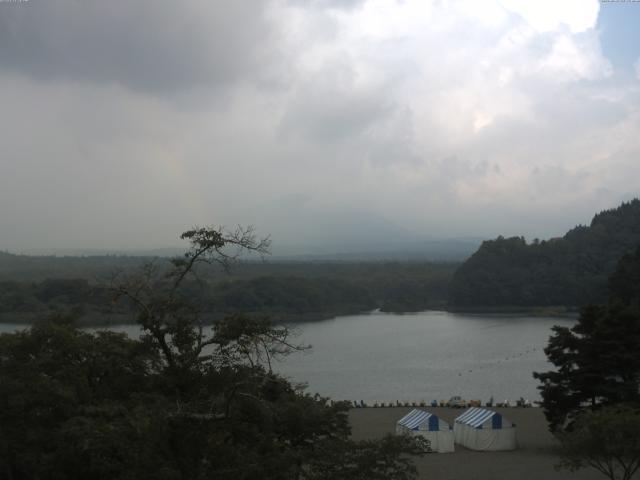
{"type": "Point", "coordinates": [598, 360]}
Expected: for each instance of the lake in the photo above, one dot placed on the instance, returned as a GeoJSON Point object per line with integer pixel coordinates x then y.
{"type": "Point", "coordinates": [418, 356]}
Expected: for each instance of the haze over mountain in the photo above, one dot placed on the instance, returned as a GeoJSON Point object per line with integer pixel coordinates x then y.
{"type": "Point", "coordinates": [308, 233]}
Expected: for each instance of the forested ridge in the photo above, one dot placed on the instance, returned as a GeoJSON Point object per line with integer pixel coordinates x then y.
{"type": "Point", "coordinates": [569, 271]}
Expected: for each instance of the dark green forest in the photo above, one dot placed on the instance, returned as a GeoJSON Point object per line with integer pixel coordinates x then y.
{"type": "Point", "coordinates": [291, 291]}
{"type": "Point", "coordinates": [570, 271]}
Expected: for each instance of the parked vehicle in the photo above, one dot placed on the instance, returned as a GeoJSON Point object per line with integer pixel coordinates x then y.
{"type": "Point", "coordinates": [456, 402]}
{"type": "Point", "coordinates": [523, 403]}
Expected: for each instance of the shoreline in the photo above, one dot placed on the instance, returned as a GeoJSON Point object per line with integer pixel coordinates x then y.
{"type": "Point", "coordinates": [552, 311]}
{"type": "Point", "coordinates": [98, 319]}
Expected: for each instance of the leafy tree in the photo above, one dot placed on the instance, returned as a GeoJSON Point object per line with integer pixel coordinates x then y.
{"type": "Point", "coordinates": [597, 361]}
{"type": "Point", "coordinates": [55, 379]}
{"type": "Point", "coordinates": [367, 460]}
{"type": "Point", "coordinates": [607, 440]}
{"type": "Point", "coordinates": [179, 403]}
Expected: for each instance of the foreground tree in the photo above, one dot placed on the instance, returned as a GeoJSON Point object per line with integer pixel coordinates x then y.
{"type": "Point", "coordinates": [607, 440]}
{"type": "Point", "coordinates": [592, 399]}
{"type": "Point", "coordinates": [179, 403]}
{"type": "Point", "coordinates": [598, 360]}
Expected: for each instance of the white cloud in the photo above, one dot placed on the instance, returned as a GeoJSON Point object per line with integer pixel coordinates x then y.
{"type": "Point", "coordinates": [573, 59]}
{"type": "Point", "coordinates": [550, 15]}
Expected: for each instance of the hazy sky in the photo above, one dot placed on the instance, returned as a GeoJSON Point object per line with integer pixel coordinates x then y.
{"type": "Point", "coordinates": [124, 122]}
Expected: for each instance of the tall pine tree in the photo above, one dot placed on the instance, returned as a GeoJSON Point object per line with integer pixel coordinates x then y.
{"type": "Point", "coordinates": [598, 360]}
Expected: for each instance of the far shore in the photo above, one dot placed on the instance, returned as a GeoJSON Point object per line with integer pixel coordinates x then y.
{"type": "Point", "coordinates": [97, 319]}
{"type": "Point", "coordinates": [546, 311]}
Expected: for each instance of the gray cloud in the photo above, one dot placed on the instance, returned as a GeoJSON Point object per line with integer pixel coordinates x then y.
{"type": "Point", "coordinates": [148, 45]}
{"type": "Point", "coordinates": [326, 111]}
{"type": "Point", "coordinates": [348, 4]}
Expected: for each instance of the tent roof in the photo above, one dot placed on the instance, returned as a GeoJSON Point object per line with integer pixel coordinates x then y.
{"type": "Point", "coordinates": [415, 418]}
{"type": "Point", "coordinates": [475, 416]}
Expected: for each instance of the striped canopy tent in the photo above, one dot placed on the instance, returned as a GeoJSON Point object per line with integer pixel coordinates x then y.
{"type": "Point", "coordinates": [480, 429]}
{"type": "Point", "coordinates": [429, 426]}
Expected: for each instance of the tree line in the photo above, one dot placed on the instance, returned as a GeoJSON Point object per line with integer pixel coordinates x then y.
{"type": "Point", "coordinates": [288, 291]}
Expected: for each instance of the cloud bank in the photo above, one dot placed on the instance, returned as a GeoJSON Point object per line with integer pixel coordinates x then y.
{"type": "Point", "coordinates": [125, 123]}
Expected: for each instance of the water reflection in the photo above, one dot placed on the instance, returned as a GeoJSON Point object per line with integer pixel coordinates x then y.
{"type": "Point", "coordinates": [423, 356]}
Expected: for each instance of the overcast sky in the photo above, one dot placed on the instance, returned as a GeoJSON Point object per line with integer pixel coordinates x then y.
{"type": "Point", "coordinates": [124, 122]}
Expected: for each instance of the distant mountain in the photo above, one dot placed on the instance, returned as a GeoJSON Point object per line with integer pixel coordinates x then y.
{"type": "Point", "coordinates": [302, 230]}
{"type": "Point", "coordinates": [571, 270]}
{"type": "Point", "coordinates": [429, 249]}
{"type": "Point", "coordinates": [303, 233]}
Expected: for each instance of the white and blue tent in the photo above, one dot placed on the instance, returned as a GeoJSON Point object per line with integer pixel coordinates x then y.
{"type": "Point", "coordinates": [480, 429]}
{"type": "Point", "coordinates": [429, 426]}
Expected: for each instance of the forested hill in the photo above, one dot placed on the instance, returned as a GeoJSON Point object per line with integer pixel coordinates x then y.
{"type": "Point", "coordinates": [569, 271]}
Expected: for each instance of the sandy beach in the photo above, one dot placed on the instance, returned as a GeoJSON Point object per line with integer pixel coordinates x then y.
{"type": "Point", "coordinates": [534, 459]}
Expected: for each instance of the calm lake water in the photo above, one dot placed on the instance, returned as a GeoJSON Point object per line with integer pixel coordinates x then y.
{"type": "Point", "coordinates": [419, 356]}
